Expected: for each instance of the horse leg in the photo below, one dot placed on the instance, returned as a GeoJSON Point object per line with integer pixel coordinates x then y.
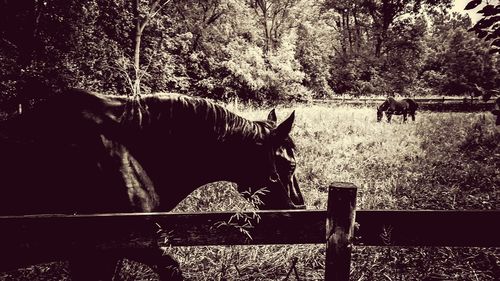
{"type": "Point", "coordinates": [412, 116]}
{"type": "Point", "coordinates": [101, 265]}
{"type": "Point", "coordinates": [165, 266]}
{"type": "Point", "coordinates": [92, 266]}
{"type": "Point", "coordinates": [404, 117]}
{"type": "Point", "coordinates": [168, 269]}
{"type": "Point", "coordinates": [389, 115]}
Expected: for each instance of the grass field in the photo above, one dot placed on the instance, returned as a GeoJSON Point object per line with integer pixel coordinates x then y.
{"type": "Point", "coordinates": [440, 161]}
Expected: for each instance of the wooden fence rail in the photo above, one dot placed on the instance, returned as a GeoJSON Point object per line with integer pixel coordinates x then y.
{"type": "Point", "coordinates": [32, 239]}
{"type": "Point", "coordinates": [431, 104]}
{"type": "Point", "coordinates": [417, 99]}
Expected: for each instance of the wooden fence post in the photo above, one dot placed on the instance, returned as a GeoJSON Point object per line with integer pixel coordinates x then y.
{"type": "Point", "coordinates": [339, 230]}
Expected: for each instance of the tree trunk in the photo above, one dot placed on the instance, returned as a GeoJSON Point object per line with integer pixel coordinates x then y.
{"type": "Point", "coordinates": [378, 45]}
{"type": "Point", "coordinates": [348, 28]}
{"type": "Point", "coordinates": [136, 90]}
{"type": "Point", "coordinates": [343, 28]}
{"type": "Point", "coordinates": [358, 32]}
{"type": "Point", "coordinates": [267, 33]}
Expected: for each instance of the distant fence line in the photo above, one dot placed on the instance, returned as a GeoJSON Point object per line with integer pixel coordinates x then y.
{"type": "Point", "coordinates": [432, 104]}
{"type": "Point", "coordinates": [458, 104]}
{"type": "Point", "coordinates": [33, 239]}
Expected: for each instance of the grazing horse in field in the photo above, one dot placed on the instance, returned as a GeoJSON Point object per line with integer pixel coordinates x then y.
{"type": "Point", "coordinates": [79, 153]}
{"type": "Point", "coordinates": [496, 111]}
{"type": "Point", "coordinates": [391, 106]}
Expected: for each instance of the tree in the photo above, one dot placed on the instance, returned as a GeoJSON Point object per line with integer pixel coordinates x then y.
{"type": "Point", "coordinates": [349, 21]}
{"type": "Point", "coordinates": [20, 43]}
{"type": "Point", "coordinates": [455, 59]}
{"type": "Point", "coordinates": [273, 17]}
{"type": "Point", "coordinates": [316, 44]}
{"type": "Point", "coordinates": [61, 44]}
{"type": "Point", "coordinates": [488, 27]}
{"type": "Point", "coordinates": [142, 17]}
{"type": "Point", "coordinates": [404, 53]}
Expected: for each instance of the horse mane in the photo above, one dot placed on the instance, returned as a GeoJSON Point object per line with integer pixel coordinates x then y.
{"type": "Point", "coordinates": [387, 102]}
{"type": "Point", "coordinates": [207, 117]}
{"type": "Point", "coordinates": [171, 112]}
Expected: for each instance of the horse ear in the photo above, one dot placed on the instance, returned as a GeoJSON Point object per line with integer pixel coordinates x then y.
{"type": "Point", "coordinates": [272, 116]}
{"type": "Point", "coordinates": [284, 129]}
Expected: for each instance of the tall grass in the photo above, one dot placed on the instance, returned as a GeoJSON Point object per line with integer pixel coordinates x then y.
{"type": "Point", "coordinates": [440, 161]}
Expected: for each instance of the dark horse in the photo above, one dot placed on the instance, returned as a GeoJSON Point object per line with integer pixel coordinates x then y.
{"type": "Point", "coordinates": [391, 106]}
{"type": "Point", "coordinates": [74, 154]}
{"type": "Point", "coordinates": [496, 111]}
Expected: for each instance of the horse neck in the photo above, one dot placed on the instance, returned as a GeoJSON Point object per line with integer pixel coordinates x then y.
{"type": "Point", "coordinates": [384, 106]}
{"type": "Point", "coordinates": [195, 138]}
{"type": "Point", "coordinates": [207, 120]}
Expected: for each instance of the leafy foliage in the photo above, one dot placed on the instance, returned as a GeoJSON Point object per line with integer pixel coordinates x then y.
{"type": "Point", "coordinates": [488, 27]}
{"type": "Point", "coordinates": [456, 62]}
{"type": "Point", "coordinates": [269, 50]}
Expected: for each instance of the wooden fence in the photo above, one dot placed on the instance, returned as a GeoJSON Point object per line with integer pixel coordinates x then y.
{"type": "Point", "coordinates": [433, 104]}
{"type": "Point", "coordinates": [33, 239]}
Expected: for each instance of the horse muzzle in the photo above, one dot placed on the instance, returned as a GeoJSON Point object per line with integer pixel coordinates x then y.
{"type": "Point", "coordinates": [295, 195]}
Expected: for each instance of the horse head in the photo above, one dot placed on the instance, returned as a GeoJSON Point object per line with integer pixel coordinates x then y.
{"type": "Point", "coordinates": [496, 111]}
{"type": "Point", "coordinates": [380, 114]}
{"type": "Point", "coordinates": [273, 164]}
{"type": "Point", "coordinates": [383, 107]}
